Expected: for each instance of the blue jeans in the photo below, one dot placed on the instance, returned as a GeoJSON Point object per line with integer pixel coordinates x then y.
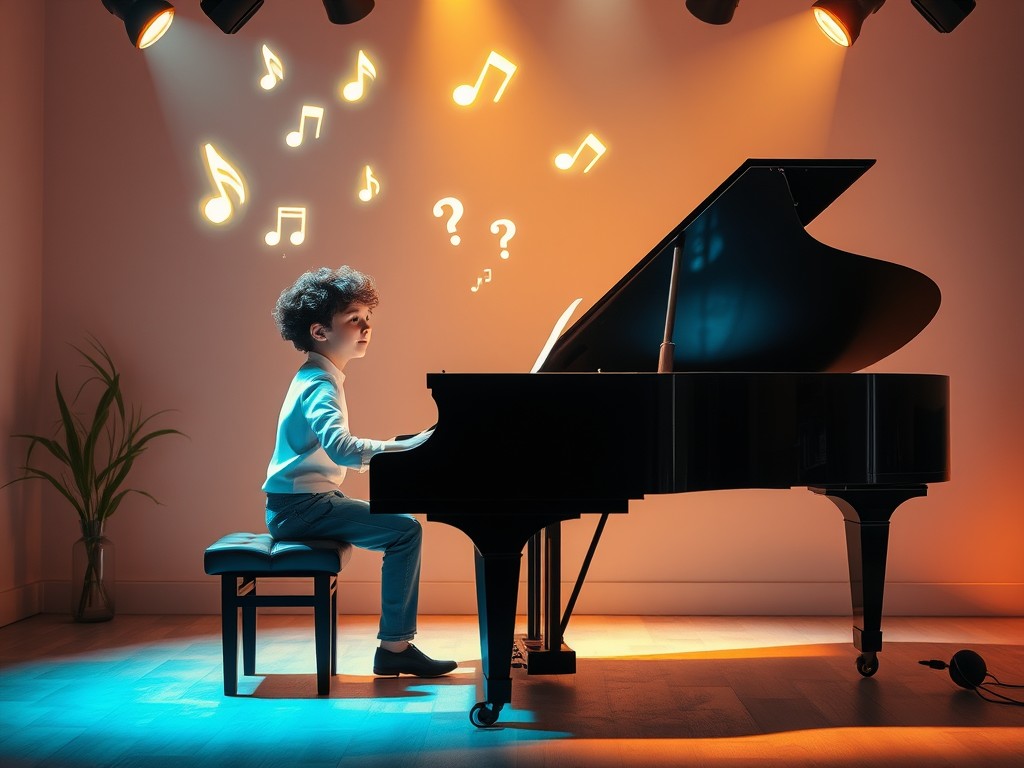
{"type": "Point", "coordinates": [332, 515]}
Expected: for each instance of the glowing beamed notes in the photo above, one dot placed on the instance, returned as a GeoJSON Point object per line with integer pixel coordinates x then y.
{"type": "Point", "coordinates": [565, 161]}
{"type": "Point", "coordinates": [218, 208]}
{"type": "Point", "coordinates": [294, 138]}
{"type": "Point", "coordinates": [485, 279]}
{"type": "Point", "coordinates": [466, 94]}
{"type": "Point", "coordinates": [290, 213]}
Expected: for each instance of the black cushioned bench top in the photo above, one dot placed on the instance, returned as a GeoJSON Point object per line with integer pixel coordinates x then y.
{"type": "Point", "coordinates": [260, 553]}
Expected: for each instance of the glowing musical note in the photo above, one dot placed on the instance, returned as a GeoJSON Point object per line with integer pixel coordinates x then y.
{"type": "Point", "coordinates": [457, 210]}
{"type": "Point", "coordinates": [465, 95]}
{"type": "Point", "coordinates": [288, 212]}
{"type": "Point", "coordinates": [510, 232]}
{"type": "Point", "coordinates": [294, 138]}
{"type": "Point", "coordinates": [364, 68]}
{"type": "Point", "coordinates": [275, 70]}
{"type": "Point", "coordinates": [475, 288]}
{"type": "Point", "coordinates": [218, 208]}
{"type": "Point", "coordinates": [372, 186]}
{"type": "Point", "coordinates": [565, 161]}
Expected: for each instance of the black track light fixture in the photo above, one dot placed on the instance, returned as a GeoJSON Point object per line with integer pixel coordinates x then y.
{"type": "Point", "coordinates": [347, 11]}
{"type": "Point", "coordinates": [144, 20]}
{"type": "Point", "coordinates": [841, 20]}
{"type": "Point", "coordinates": [712, 11]}
{"type": "Point", "coordinates": [230, 15]}
{"type": "Point", "coordinates": [944, 15]}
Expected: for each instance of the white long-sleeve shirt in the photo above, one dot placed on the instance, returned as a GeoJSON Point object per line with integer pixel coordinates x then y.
{"type": "Point", "coordinates": [314, 446]}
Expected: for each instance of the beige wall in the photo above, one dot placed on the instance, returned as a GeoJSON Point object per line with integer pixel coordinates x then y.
{"type": "Point", "coordinates": [184, 306]}
{"type": "Point", "coordinates": [21, 254]}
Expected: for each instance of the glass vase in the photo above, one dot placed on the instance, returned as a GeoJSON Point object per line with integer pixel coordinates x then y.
{"type": "Point", "coordinates": [92, 575]}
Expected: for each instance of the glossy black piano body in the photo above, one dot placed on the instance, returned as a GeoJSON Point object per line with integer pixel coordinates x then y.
{"type": "Point", "coordinates": [514, 454]}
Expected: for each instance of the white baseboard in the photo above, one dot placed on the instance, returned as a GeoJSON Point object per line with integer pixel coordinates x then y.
{"type": "Point", "coordinates": [597, 598]}
{"type": "Point", "coordinates": [20, 603]}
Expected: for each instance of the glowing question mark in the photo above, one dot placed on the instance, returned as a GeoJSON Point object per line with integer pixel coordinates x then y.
{"type": "Point", "coordinates": [457, 211]}
{"type": "Point", "coordinates": [510, 232]}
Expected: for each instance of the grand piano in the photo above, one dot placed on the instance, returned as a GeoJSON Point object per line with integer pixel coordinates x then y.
{"type": "Point", "coordinates": [726, 358]}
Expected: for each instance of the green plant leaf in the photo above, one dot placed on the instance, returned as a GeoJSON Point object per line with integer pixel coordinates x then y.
{"type": "Point", "coordinates": [55, 448]}
{"type": "Point", "coordinates": [73, 443]}
{"type": "Point", "coordinates": [34, 473]}
{"type": "Point", "coordinates": [98, 452]}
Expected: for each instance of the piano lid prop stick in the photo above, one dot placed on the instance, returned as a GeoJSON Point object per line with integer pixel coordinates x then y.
{"type": "Point", "coordinates": [668, 349]}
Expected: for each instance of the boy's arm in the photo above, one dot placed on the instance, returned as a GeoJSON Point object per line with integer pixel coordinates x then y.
{"type": "Point", "coordinates": [328, 422]}
{"type": "Point", "coordinates": [326, 419]}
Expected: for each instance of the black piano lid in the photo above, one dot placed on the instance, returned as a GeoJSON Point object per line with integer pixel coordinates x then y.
{"type": "Point", "coordinates": [756, 292]}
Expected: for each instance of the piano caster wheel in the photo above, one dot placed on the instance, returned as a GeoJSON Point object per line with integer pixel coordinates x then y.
{"type": "Point", "coordinates": [484, 714]}
{"type": "Point", "coordinates": [867, 664]}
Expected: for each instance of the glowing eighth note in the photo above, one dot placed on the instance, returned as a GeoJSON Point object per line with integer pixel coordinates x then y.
{"type": "Point", "coordinates": [372, 186]}
{"type": "Point", "coordinates": [275, 70]}
{"type": "Point", "coordinates": [288, 212]}
{"type": "Point", "coordinates": [364, 68]}
{"type": "Point", "coordinates": [565, 161]}
{"type": "Point", "coordinates": [294, 138]}
{"type": "Point", "coordinates": [479, 280]}
{"type": "Point", "coordinates": [218, 208]}
{"type": "Point", "coordinates": [465, 95]}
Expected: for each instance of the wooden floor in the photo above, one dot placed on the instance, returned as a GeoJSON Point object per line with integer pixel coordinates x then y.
{"type": "Point", "coordinates": [651, 691]}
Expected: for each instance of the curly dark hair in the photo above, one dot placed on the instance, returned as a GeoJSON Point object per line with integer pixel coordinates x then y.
{"type": "Point", "coordinates": [316, 297]}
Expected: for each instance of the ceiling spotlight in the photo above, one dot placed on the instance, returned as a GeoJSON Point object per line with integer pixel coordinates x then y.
{"type": "Point", "coordinates": [841, 20]}
{"type": "Point", "coordinates": [944, 15]}
{"type": "Point", "coordinates": [711, 11]}
{"type": "Point", "coordinates": [230, 15]}
{"type": "Point", "coordinates": [347, 11]}
{"type": "Point", "coordinates": [144, 20]}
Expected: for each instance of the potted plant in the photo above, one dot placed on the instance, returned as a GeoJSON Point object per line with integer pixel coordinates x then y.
{"type": "Point", "coordinates": [95, 455]}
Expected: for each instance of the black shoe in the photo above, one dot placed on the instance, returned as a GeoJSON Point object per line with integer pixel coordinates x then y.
{"type": "Point", "coordinates": [411, 661]}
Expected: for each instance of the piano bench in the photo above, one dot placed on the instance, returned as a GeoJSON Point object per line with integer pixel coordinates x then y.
{"type": "Point", "coordinates": [242, 558]}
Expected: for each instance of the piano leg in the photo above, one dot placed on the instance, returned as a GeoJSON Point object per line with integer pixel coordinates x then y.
{"type": "Point", "coordinates": [866, 511]}
{"type": "Point", "coordinates": [498, 547]}
{"type": "Point", "coordinates": [497, 585]}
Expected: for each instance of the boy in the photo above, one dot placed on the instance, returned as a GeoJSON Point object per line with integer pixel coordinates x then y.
{"type": "Point", "coordinates": [326, 314]}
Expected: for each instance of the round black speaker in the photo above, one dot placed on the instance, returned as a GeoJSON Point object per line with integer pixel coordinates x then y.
{"type": "Point", "coordinates": [967, 669]}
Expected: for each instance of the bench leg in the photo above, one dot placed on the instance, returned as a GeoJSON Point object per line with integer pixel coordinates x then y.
{"type": "Point", "coordinates": [238, 594]}
{"type": "Point", "coordinates": [322, 631]}
{"type": "Point", "coordinates": [334, 625]}
{"type": "Point", "coordinates": [248, 625]}
{"type": "Point", "coordinates": [229, 632]}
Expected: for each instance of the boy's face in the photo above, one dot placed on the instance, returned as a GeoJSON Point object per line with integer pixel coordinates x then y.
{"type": "Point", "coordinates": [348, 336]}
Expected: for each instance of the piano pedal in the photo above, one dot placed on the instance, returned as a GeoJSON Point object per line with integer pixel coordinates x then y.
{"type": "Point", "coordinates": [518, 660]}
